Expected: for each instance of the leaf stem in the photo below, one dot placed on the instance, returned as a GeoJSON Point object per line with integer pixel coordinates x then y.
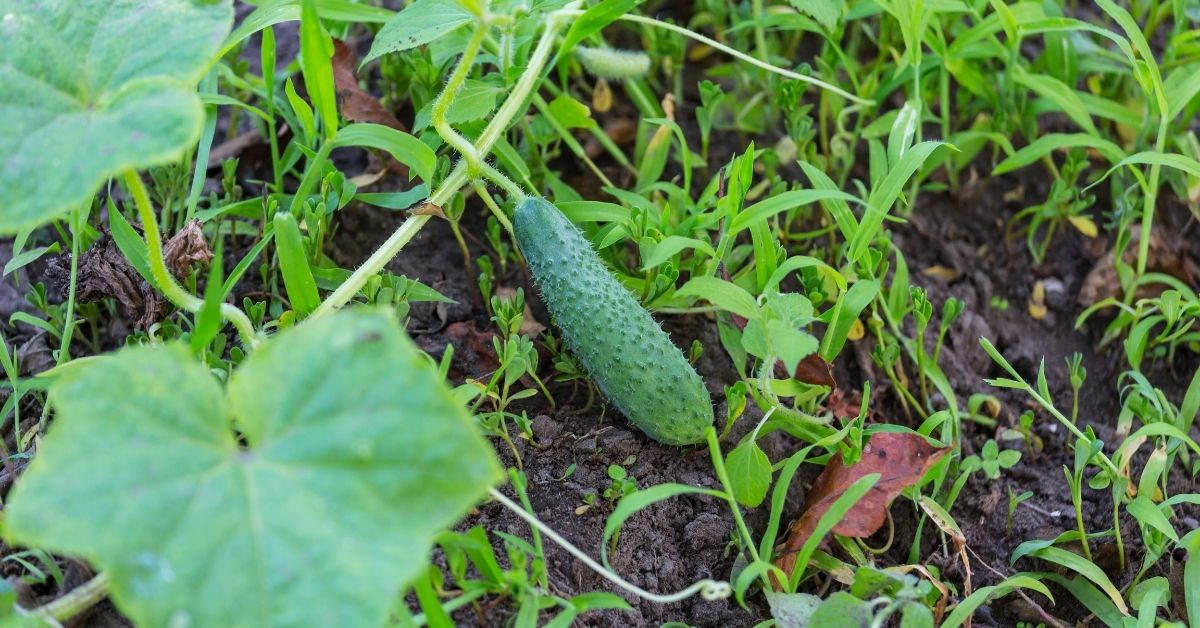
{"type": "Point", "coordinates": [795, 76]}
{"type": "Point", "coordinates": [76, 601]}
{"type": "Point", "coordinates": [442, 104]}
{"type": "Point", "coordinates": [458, 176]}
{"type": "Point", "coordinates": [158, 267]}
{"type": "Point", "coordinates": [714, 450]}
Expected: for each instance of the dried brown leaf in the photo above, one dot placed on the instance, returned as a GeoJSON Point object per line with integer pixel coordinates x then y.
{"type": "Point", "coordinates": [900, 459]}
{"type": "Point", "coordinates": [357, 105]}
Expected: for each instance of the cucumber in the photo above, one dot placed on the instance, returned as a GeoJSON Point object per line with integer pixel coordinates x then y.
{"type": "Point", "coordinates": [623, 349]}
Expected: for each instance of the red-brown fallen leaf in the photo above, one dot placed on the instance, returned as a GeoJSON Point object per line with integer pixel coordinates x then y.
{"type": "Point", "coordinates": [900, 459]}
{"type": "Point", "coordinates": [357, 105]}
{"type": "Point", "coordinates": [843, 404]}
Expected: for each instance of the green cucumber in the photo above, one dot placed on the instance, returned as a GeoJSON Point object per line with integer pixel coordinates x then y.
{"type": "Point", "coordinates": [624, 350]}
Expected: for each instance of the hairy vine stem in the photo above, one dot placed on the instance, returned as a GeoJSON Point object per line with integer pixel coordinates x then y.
{"type": "Point", "coordinates": [163, 277]}
{"type": "Point", "coordinates": [460, 175]}
{"type": "Point", "coordinates": [708, 589]}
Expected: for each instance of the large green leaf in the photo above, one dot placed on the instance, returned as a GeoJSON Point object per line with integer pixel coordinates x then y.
{"type": "Point", "coordinates": [92, 88]}
{"type": "Point", "coordinates": [355, 455]}
{"type": "Point", "coordinates": [419, 23]}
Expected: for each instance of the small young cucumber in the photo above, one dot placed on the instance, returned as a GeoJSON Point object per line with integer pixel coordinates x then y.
{"type": "Point", "coordinates": [624, 350]}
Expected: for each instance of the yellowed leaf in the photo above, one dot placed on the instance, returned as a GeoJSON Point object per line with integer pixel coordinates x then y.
{"type": "Point", "coordinates": [699, 52]}
{"type": "Point", "coordinates": [1037, 301]}
{"type": "Point", "coordinates": [1084, 225]}
{"type": "Point", "coordinates": [602, 98]}
{"type": "Point", "coordinates": [857, 330]}
{"type": "Point", "coordinates": [944, 273]}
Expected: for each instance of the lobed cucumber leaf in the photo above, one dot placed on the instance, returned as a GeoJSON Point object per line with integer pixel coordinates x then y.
{"type": "Point", "coordinates": [356, 456]}
{"type": "Point", "coordinates": [93, 88]}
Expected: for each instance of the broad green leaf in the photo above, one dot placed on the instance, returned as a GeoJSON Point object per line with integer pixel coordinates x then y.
{"type": "Point", "coordinates": [93, 88]}
{"type": "Point", "coordinates": [749, 473]}
{"type": "Point", "coordinates": [827, 13]}
{"type": "Point", "coordinates": [355, 457]}
{"type": "Point", "coordinates": [571, 113]}
{"type": "Point", "coordinates": [841, 610]}
{"type": "Point", "coordinates": [721, 293]}
{"type": "Point", "coordinates": [418, 24]}
{"type": "Point", "coordinates": [670, 245]}
{"type": "Point", "coordinates": [475, 101]}
{"type": "Point", "coordinates": [407, 149]}
{"type": "Point", "coordinates": [791, 610]}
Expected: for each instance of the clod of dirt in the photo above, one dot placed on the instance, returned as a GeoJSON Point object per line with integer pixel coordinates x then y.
{"type": "Point", "coordinates": [900, 459]}
{"type": "Point", "coordinates": [104, 272]}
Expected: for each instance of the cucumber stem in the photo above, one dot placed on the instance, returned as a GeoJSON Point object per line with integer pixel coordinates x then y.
{"type": "Point", "coordinates": [158, 267]}
{"type": "Point", "coordinates": [458, 176]}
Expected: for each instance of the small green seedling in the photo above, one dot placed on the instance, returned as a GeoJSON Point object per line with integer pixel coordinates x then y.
{"type": "Point", "coordinates": [1014, 500]}
{"type": "Point", "coordinates": [622, 485]}
{"type": "Point", "coordinates": [991, 460]}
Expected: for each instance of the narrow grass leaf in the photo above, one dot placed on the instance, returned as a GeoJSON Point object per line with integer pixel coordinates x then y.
{"type": "Point", "coordinates": [966, 608]}
{"type": "Point", "coordinates": [1047, 144]}
{"type": "Point", "coordinates": [594, 19]}
{"type": "Point", "coordinates": [1191, 576]}
{"type": "Point", "coordinates": [316, 51]}
{"type": "Point", "coordinates": [1085, 568]}
{"type": "Point", "coordinates": [293, 265]}
{"type": "Point", "coordinates": [208, 319]}
{"type": "Point", "coordinates": [671, 246]}
{"type": "Point", "coordinates": [1060, 94]}
{"type": "Point", "coordinates": [836, 206]}
{"type": "Point", "coordinates": [1170, 160]}
{"type": "Point", "coordinates": [884, 196]}
{"type": "Point", "coordinates": [767, 208]}
{"type": "Point", "coordinates": [1146, 512]}
{"type": "Point", "coordinates": [274, 12]}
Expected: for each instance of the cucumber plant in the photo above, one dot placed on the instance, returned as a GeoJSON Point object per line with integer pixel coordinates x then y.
{"type": "Point", "coordinates": [254, 456]}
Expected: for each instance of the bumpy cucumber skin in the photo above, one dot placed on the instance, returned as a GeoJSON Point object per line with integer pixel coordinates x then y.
{"type": "Point", "coordinates": [624, 350]}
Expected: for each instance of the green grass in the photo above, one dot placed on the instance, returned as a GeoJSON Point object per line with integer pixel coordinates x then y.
{"type": "Point", "coordinates": [761, 199]}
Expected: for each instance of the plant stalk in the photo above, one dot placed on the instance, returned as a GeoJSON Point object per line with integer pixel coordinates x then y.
{"type": "Point", "coordinates": [458, 176]}
{"type": "Point", "coordinates": [163, 277]}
